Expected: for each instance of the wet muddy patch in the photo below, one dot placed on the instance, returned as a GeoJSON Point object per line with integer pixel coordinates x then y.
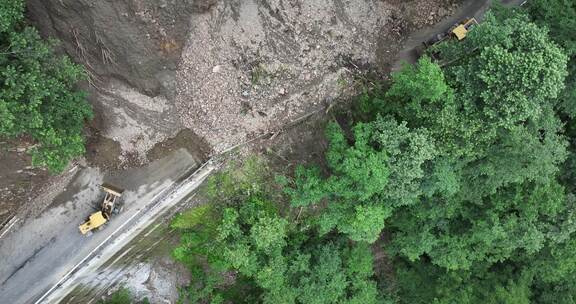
{"type": "Point", "coordinates": [103, 152]}
{"type": "Point", "coordinates": [185, 139]}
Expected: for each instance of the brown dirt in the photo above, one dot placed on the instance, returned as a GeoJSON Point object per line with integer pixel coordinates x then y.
{"type": "Point", "coordinates": [383, 264]}
{"type": "Point", "coordinates": [425, 13]}
{"type": "Point", "coordinates": [252, 66]}
{"type": "Point", "coordinates": [134, 41]}
{"type": "Point", "coordinates": [303, 143]}
{"type": "Point", "coordinates": [18, 180]}
{"type": "Point", "coordinates": [103, 152]}
{"type": "Point", "coordinates": [186, 139]}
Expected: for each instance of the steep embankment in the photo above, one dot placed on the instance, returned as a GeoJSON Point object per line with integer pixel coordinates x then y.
{"type": "Point", "coordinates": [131, 50]}
{"type": "Point", "coordinates": [224, 69]}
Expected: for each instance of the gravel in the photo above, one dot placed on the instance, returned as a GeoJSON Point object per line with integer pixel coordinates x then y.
{"type": "Point", "coordinates": [247, 58]}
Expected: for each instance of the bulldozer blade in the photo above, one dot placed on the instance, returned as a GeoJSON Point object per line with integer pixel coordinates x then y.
{"type": "Point", "coordinates": [112, 189]}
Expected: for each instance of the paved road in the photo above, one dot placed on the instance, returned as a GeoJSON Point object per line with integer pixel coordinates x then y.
{"type": "Point", "coordinates": [102, 270]}
{"type": "Point", "coordinates": [39, 252]}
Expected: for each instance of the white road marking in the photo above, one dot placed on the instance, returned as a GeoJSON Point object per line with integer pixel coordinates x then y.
{"type": "Point", "coordinates": [98, 247]}
{"type": "Point", "coordinates": [187, 185]}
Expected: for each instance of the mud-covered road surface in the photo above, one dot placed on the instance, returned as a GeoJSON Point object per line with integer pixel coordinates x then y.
{"type": "Point", "coordinates": [98, 270]}
{"type": "Point", "coordinates": [39, 252]}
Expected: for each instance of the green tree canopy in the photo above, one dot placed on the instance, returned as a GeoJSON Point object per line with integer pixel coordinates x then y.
{"type": "Point", "coordinates": [500, 164]}
{"type": "Point", "coordinates": [38, 97]}
{"type": "Point", "coordinates": [274, 260]}
{"type": "Point", "coordinates": [559, 16]}
{"type": "Point", "coordinates": [370, 178]}
{"type": "Point", "coordinates": [506, 73]}
{"type": "Point", "coordinates": [502, 233]}
{"type": "Point", "coordinates": [458, 165]}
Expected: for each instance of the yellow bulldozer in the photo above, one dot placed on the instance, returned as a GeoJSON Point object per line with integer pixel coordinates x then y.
{"type": "Point", "coordinates": [459, 31]}
{"type": "Point", "coordinates": [110, 205]}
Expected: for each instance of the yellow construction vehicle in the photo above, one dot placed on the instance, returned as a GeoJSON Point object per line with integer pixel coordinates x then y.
{"type": "Point", "coordinates": [110, 205]}
{"type": "Point", "coordinates": [459, 31]}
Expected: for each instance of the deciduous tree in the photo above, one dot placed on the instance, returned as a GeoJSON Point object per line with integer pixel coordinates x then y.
{"type": "Point", "coordinates": [38, 95]}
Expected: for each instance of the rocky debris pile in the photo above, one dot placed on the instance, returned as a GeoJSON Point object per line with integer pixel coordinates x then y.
{"type": "Point", "coordinates": [130, 49]}
{"type": "Point", "coordinates": [136, 121]}
{"type": "Point", "coordinates": [424, 13]}
{"type": "Point", "coordinates": [250, 67]}
{"type": "Point", "coordinates": [225, 70]}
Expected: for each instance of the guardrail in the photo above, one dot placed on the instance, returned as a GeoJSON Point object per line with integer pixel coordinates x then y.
{"type": "Point", "coordinates": [7, 225]}
{"type": "Point", "coordinates": [165, 194]}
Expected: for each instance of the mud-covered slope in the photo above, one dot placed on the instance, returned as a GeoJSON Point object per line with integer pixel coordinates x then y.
{"type": "Point", "coordinates": [226, 70]}
{"type": "Point", "coordinates": [136, 41]}
{"type": "Point", "coordinates": [131, 50]}
{"type": "Point", "coordinates": [252, 66]}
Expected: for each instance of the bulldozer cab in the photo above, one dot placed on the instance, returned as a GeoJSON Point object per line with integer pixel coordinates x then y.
{"type": "Point", "coordinates": [109, 202]}
{"type": "Point", "coordinates": [461, 30]}
{"type": "Point", "coordinates": [112, 195]}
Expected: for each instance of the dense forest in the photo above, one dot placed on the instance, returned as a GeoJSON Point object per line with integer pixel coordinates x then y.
{"type": "Point", "coordinates": [455, 184]}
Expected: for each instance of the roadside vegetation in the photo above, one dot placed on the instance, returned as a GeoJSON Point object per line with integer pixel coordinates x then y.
{"type": "Point", "coordinates": [38, 95]}
{"type": "Point", "coordinates": [460, 177]}
{"type": "Point", "coordinates": [122, 296]}
{"type": "Point", "coordinates": [249, 245]}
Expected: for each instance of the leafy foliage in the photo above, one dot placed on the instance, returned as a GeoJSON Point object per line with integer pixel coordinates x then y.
{"type": "Point", "coordinates": [481, 146]}
{"type": "Point", "coordinates": [11, 12]}
{"type": "Point", "coordinates": [466, 169]}
{"type": "Point", "coordinates": [426, 283]}
{"type": "Point", "coordinates": [369, 179]}
{"type": "Point", "coordinates": [512, 77]}
{"type": "Point", "coordinates": [37, 92]}
{"type": "Point", "coordinates": [559, 16]}
{"type": "Point", "coordinates": [490, 238]}
{"type": "Point", "coordinates": [492, 230]}
{"type": "Point", "coordinates": [418, 88]}
{"type": "Point", "coordinates": [122, 296]}
{"type": "Point", "coordinates": [308, 186]}
{"type": "Point", "coordinates": [274, 261]}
